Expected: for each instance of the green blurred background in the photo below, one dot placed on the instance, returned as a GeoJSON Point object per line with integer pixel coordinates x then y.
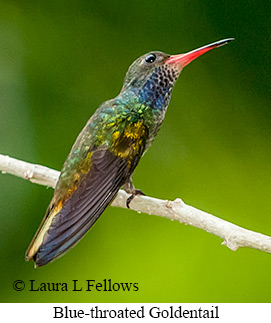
{"type": "Point", "coordinates": [58, 61]}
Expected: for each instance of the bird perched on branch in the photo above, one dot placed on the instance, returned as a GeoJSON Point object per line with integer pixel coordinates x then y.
{"type": "Point", "coordinates": [107, 151]}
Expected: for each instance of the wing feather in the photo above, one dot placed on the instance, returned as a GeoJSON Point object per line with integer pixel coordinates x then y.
{"type": "Point", "coordinates": [71, 216]}
{"type": "Point", "coordinates": [84, 207]}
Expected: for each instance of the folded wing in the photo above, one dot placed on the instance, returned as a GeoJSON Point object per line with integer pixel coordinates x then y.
{"type": "Point", "coordinates": [60, 231]}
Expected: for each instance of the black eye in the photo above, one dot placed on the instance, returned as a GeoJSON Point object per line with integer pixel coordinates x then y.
{"type": "Point", "coordinates": [150, 58]}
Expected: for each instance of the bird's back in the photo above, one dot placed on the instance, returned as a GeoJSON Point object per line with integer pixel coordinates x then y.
{"type": "Point", "coordinates": [102, 159]}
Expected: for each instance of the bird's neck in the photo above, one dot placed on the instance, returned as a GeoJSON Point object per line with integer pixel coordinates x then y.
{"type": "Point", "coordinates": [154, 90]}
{"type": "Point", "coordinates": [150, 95]}
{"type": "Point", "coordinates": [154, 96]}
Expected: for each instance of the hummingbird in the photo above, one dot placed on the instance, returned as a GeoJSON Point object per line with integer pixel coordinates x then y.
{"type": "Point", "coordinates": [107, 151]}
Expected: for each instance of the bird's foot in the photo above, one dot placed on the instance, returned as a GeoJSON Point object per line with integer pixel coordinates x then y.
{"type": "Point", "coordinates": [134, 193]}
{"type": "Point", "coordinates": [130, 189]}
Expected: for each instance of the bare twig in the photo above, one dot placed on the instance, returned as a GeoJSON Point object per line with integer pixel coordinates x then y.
{"type": "Point", "coordinates": [233, 235]}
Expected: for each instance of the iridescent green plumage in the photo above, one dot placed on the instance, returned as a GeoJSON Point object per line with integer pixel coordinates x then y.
{"type": "Point", "coordinates": [109, 123]}
{"type": "Point", "coordinates": [116, 134]}
{"type": "Point", "coordinates": [106, 153]}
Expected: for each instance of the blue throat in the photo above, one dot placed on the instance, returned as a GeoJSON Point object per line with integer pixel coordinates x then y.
{"type": "Point", "coordinates": [156, 91]}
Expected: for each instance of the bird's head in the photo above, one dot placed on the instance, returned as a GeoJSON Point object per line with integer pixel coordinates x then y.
{"type": "Point", "coordinates": [153, 75]}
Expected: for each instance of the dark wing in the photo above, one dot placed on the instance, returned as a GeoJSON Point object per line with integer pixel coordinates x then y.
{"type": "Point", "coordinates": [64, 227]}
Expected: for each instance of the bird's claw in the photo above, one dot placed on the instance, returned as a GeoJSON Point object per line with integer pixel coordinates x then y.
{"type": "Point", "coordinates": [130, 198]}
